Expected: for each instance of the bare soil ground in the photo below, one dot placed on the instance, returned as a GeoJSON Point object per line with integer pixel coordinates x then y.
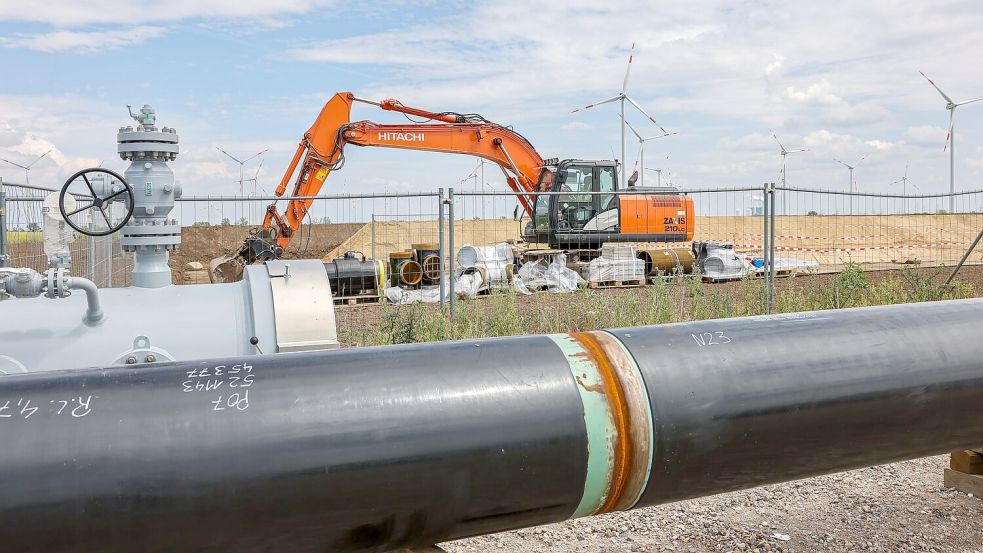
{"type": "Point", "coordinates": [203, 244]}
{"type": "Point", "coordinates": [900, 507]}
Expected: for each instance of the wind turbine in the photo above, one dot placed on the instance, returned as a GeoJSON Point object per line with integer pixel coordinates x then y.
{"type": "Point", "coordinates": [27, 168]}
{"type": "Point", "coordinates": [657, 170]}
{"type": "Point", "coordinates": [241, 163]}
{"type": "Point", "coordinates": [904, 181]}
{"type": "Point", "coordinates": [950, 105]}
{"type": "Point", "coordinates": [785, 152]}
{"type": "Point", "coordinates": [255, 179]}
{"type": "Point", "coordinates": [904, 186]}
{"type": "Point", "coordinates": [851, 168]}
{"type": "Point", "coordinates": [640, 160]}
{"type": "Point", "coordinates": [623, 97]}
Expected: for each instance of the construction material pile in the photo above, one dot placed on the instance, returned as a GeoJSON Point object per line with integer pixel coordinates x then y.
{"type": "Point", "coordinates": [616, 263]}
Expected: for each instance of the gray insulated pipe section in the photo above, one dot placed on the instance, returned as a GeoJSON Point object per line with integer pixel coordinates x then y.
{"type": "Point", "coordinates": [378, 448]}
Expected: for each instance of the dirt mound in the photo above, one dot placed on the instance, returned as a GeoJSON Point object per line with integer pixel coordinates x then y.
{"type": "Point", "coordinates": [202, 244]}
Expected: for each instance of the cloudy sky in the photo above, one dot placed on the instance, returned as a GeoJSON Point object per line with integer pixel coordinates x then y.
{"type": "Point", "coordinates": [838, 78]}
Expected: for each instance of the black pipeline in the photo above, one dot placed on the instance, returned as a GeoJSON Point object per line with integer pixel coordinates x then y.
{"type": "Point", "coordinates": [377, 448]}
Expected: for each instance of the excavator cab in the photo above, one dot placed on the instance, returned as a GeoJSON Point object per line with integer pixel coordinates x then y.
{"type": "Point", "coordinates": [585, 211]}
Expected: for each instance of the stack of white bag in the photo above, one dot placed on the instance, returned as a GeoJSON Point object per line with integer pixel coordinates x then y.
{"type": "Point", "coordinates": [616, 263]}
{"type": "Point", "coordinates": [401, 296]}
{"type": "Point", "coordinates": [556, 277]}
{"type": "Point", "coordinates": [483, 267]}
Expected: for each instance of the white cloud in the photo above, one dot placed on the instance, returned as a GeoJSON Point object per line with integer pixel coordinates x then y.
{"type": "Point", "coordinates": [926, 136]}
{"type": "Point", "coordinates": [776, 65]}
{"type": "Point", "coordinates": [74, 13]}
{"type": "Point", "coordinates": [83, 42]}
{"type": "Point", "coordinates": [816, 93]}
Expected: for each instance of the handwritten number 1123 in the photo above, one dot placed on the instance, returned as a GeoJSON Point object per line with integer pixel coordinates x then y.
{"type": "Point", "coordinates": [717, 338]}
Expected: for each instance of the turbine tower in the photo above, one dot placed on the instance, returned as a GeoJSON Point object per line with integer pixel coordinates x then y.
{"type": "Point", "coordinates": [623, 97]}
{"type": "Point", "coordinates": [640, 160]}
{"type": "Point", "coordinates": [950, 105]}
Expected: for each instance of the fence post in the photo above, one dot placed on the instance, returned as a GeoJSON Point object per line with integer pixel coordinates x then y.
{"type": "Point", "coordinates": [959, 265]}
{"type": "Point", "coordinates": [3, 226]}
{"type": "Point", "coordinates": [109, 261]}
{"type": "Point", "coordinates": [771, 244]}
{"type": "Point", "coordinates": [90, 256]}
{"type": "Point", "coordinates": [440, 244]}
{"type": "Point", "coordinates": [450, 244]}
{"type": "Point", "coordinates": [765, 235]}
{"type": "Point", "coordinates": [373, 234]}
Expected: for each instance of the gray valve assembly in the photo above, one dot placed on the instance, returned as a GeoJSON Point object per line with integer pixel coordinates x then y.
{"type": "Point", "coordinates": [279, 306]}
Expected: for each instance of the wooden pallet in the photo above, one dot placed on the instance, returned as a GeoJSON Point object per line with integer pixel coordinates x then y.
{"type": "Point", "coordinates": [361, 299]}
{"type": "Point", "coordinates": [965, 472]}
{"type": "Point", "coordinates": [779, 273]}
{"type": "Point", "coordinates": [669, 278]}
{"type": "Point", "coordinates": [634, 283]}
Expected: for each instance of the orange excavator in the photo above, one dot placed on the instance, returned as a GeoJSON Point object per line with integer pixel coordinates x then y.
{"type": "Point", "coordinates": [576, 215]}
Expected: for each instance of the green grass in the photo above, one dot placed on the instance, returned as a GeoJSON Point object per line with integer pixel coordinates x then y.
{"type": "Point", "coordinates": [689, 299]}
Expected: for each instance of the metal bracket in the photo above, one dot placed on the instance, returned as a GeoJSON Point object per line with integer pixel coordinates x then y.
{"type": "Point", "coordinates": [303, 310]}
{"type": "Point", "coordinates": [142, 352]}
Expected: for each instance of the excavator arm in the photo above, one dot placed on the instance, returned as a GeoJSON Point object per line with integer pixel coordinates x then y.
{"type": "Point", "coordinates": [322, 151]}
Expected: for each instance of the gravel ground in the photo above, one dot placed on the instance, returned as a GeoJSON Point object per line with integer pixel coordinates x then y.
{"type": "Point", "coordinates": [897, 507]}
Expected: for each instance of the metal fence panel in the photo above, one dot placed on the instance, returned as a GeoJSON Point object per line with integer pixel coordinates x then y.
{"type": "Point", "coordinates": [100, 259]}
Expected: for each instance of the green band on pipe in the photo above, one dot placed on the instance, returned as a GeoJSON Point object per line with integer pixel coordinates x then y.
{"type": "Point", "coordinates": [598, 421]}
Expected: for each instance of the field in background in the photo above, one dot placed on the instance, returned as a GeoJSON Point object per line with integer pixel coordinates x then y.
{"type": "Point", "coordinates": [875, 241]}
{"type": "Point", "coordinates": [871, 241]}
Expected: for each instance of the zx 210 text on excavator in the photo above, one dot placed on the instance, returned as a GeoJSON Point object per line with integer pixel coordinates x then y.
{"type": "Point", "coordinates": [565, 200]}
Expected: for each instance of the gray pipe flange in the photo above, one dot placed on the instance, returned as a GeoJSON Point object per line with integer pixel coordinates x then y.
{"type": "Point", "coordinates": [57, 283]}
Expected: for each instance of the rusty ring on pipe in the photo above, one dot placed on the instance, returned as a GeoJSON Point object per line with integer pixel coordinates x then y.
{"type": "Point", "coordinates": [628, 401]}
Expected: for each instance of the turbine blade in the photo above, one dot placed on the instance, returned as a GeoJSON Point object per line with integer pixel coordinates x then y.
{"type": "Point", "coordinates": [595, 104]}
{"type": "Point", "coordinates": [624, 86]}
{"type": "Point", "coordinates": [630, 127]}
{"type": "Point", "coordinates": [931, 82]}
{"type": "Point", "coordinates": [645, 113]}
{"type": "Point", "coordinates": [964, 102]}
{"type": "Point", "coordinates": [646, 139]}
{"type": "Point", "coordinates": [948, 134]}
{"type": "Point", "coordinates": [775, 136]}
{"type": "Point", "coordinates": [13, 163]}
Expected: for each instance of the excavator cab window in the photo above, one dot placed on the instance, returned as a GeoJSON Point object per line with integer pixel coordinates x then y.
{"type": "Point", "coordinates": [575, 210]}
{"type": "Point", "coordinates": [606, 183]}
